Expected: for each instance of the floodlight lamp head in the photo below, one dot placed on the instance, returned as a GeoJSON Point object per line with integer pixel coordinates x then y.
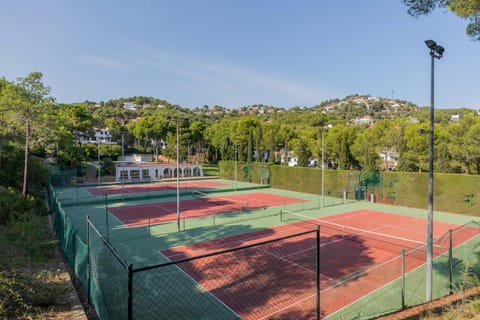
{"type": "Point", "coordinates": [439, 50]}
{"type": "Point", "coordinates": [431, 44]}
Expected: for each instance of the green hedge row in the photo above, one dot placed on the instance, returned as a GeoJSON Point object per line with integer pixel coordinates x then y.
{"type": "Point", "coordinates": [454, 193]}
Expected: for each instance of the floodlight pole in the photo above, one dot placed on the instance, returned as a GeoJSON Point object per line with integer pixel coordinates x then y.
{"type": "Point", "coordinates": [123, 150]}
{"type": "Point", "coordinates": [323, 164]}
{"type": "Point", "coordinates": [235, 164]}
{"type": "Point", "coordinates": [99, 166]}
{"type": "Point", "coordinates": [188, 151]}
{"type": "Point", "coordinates": [178, 185]}
{"type": "Point", "coordinates": [323, 171]}
{"type": "Point", "coordinates": [436, 51]}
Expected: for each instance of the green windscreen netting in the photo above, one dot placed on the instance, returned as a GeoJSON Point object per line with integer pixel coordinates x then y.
{"type": "Point", "coordinates": [108, 278]}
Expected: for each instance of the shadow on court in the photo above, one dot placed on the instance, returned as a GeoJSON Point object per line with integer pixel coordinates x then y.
{"type": "Point", "coordinates": [276, 279]}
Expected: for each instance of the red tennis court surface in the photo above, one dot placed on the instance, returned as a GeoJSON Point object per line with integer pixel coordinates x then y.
{"type": "Point", "coordinates": [142, 215]}
{"type": "Point", "coordinates": [276, 281]}
{"type": "Point", "coordinates": [150, 187]}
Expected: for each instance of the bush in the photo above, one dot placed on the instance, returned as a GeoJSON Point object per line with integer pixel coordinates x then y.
{"type": "Point", "coordinates": [21, 294]}
{"type": "Point", "coordinates": [14, 206]}
{"type": "Point", "coordinates": [13, 289]}
{"type": "Point", "coordinates": [32, 238]}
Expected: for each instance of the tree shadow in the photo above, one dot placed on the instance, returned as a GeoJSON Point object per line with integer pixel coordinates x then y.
{"type": "Point", "coordinates": [276, 279]}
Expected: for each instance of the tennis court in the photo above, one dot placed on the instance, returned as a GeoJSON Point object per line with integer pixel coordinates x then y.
{"type": "Point", "coordinates": [345, 249]}
{"type": "Point", "coordinates": [199, 206]}
{"type": "Point", "coordinates": [154, 187]}
{"type": "Point", "coordinates": [248, 251]}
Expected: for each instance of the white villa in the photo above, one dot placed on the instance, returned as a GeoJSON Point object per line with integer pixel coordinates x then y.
{"type": "Point", "coordinates": [130, 171]}
{"type": "Point", "coordinates": [102, 136]}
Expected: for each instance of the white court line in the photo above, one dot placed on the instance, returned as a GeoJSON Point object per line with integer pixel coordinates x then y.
{"type": "Point", "coordinates": [288, 306]}
{"type": "Point", "coordinates": [394, 226]}
{"type": "Point", "coordinates": [289, 261]}
{"type": "Point", "coordinates": [206, 290]}
{"type": "Point", "coordinates": [285, 260]}
{"type": "Point", "coordinates": [350, 215]}
{"type": "Point", "coordinates": [163, 208]}
{"type": "Point", "coordinates": [234, 241]}
{"type": "Point", "coordinates": [116, 218]}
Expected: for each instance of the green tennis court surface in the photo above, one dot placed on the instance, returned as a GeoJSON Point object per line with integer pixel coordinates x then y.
{"type": "Point", "coordinates": [344, 249]}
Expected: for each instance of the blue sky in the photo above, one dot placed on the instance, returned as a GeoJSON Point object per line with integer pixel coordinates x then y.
{"type": "Point", "coordinates": [237, 52]}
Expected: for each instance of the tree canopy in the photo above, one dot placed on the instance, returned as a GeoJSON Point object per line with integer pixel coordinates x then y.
{"type": "Point", "coordinates": [466, 9]}
{"type": "Point", "coordinates": [364, 133]}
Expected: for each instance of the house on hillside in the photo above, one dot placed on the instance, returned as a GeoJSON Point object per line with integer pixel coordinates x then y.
{"type": "Point", "coordinates": [289, 160]}
{"type": "Point", "coordinates": [130, 106]}
{"type": "Point", "coordinates": [313, 162]}
{"type": "Point", "coordinates": [455, 117]}
{"type": "Point", "coordinates": [360, 121]}
{"type": "Point", "coordinates": [388, 160]}
{"type": "Point", "coordinates": [102, 136]}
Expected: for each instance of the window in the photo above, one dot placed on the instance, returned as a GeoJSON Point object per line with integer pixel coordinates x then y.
{"type": "Point", "coordinates": [123, 174]}
{"type": "Point", "coordinates": [145, 173]}
{"type": "Point", "coordinates": [135, 174]}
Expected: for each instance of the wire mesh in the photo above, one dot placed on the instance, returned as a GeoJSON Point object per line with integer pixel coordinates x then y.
{"type": "Point", "coordinates": [109, 279]}
{"type": "Point", "coordinates": [267, 281]}
{"type": "Point", "coordinates": [276, 279]}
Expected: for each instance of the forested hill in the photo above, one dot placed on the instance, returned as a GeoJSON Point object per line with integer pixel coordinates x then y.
{"type": "Point", "coordinates": [332, 111]}
{"type": "Point", "coordinates": [357, 132]}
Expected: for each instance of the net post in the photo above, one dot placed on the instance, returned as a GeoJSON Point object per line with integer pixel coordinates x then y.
{"type": "Point", "coordinates": [88, 260]}
{"type": "Point", "coordinates": [403, 278]}
{"type": "Point", "coordinates": [149, 226]}
{"type": "Point", "coordinates": [450, 260]}
{"type": "Point", "coordinates": [318, 271]}
{"type": "Point", "coordinates": [281, 215]}
{"type": "Point", "coordinates": [130, 292]}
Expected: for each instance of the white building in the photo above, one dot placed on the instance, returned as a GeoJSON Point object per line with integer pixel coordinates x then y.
{"type": "Point", "coordinates": [102, 136]}
{"type": "Point", "coordinates": [360, 121]}
{"type": "Point", "coordinates": [313, 162]}
{"type": "Point", "coordinates": [153, 171]}
{"type": "Point", "coordinates": [136, 158]}
{"type": "Point", "coordinates": [130, 106]}
{"type": "Point", "coordinates": [388, 158]}
{"type": "Point", "coordinates": [289, 160]}
{"type": "Point", "coordinates": [455, 117]}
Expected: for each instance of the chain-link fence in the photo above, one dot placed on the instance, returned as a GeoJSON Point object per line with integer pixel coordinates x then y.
{"type": "Point", "coordinates": [293, 277]}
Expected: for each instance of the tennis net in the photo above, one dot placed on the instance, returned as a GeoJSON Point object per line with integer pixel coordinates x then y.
{"type": "Point", "coordinates": [223, 201]}
{"type": "Point", "coordinates": [333, 232]}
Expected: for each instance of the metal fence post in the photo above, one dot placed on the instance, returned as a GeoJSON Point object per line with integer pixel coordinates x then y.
{"type": "Point", "coordinates": [403, 278]}
{"type": "Point", "coordinates": [149, 225]}
{"type": "Point", "coordinates": [450, 260]}
{"type": "Point", "coordinates": [106, 214]}
{"type": "Point", "coordinates": [88, 259]}
{"type": "Point", "coordinates": [318, 271]}
{"type": "Point", "coordinates": [130, 292]}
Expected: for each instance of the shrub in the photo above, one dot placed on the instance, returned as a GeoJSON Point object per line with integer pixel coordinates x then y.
{"type": "Point", "coordinates": [21, 294]}
{"type": "Point", "coordinates": [14, 206]}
